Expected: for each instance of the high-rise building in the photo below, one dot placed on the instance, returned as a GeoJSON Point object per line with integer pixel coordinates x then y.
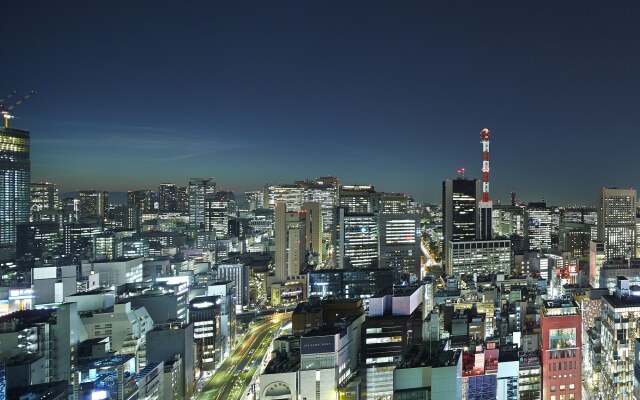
{"type": "Point", "coordinates": [620, 327]}
{"type": "Point", "coordinates": [290, 241]}
{"type": "Point", "coordinates": [93, 204]}
{"type": "Point", "coordinates": [561, 350]}
{"type": "Point", "coordinates": [393, 203]}
{"type": "Point", "coordinates": [459, 211]}
{"type": "Point", "coordinates": [216, 218]}
{"type": "Point", "coordinates": [183, 199]}
{"type": "Point", "coordinates": [143, 199]}
{"type": "Point", "coordinates": [45, 203]}
{"type": "Point", "coordinates": [539, 226]}
{"type": "Point", "coordinates": [315, 229]}
{"type": "Point", "coordinates": [400, 243]}
{"type": "Point", "coordinates": [617, 221]}
{"type": "Point", "coordinates": [168, 197]}
{"type": "Point", "coordinates": [199, 189]}
{"type": "Point", "coordinates": [355, 239]}
{"type": "Point", "coordinates": [357, 198]}
{"type": "Point", "coordinates": [15, 181]}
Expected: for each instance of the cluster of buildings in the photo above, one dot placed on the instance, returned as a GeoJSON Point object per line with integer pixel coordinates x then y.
{"type": "Point", "coordinates": [391, 299]}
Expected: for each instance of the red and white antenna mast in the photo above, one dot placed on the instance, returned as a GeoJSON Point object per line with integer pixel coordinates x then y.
{"type": "Point", "coordinates": [485, 205]}
{"type": "Point", "coordinates": [485, 164]}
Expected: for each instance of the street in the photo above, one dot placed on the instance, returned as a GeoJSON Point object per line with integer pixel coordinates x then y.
{"type": "Point", "coordinates": [234, 375]}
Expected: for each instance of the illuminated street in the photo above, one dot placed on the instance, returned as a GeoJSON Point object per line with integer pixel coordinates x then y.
{"type": "Point", "coordinates": [233, 377]}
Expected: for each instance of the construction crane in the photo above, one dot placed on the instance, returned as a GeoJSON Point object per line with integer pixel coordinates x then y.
{"type": "Point", "coordinates": [5, 110]}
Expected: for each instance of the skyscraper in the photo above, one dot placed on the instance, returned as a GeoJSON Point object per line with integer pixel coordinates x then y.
{"type": "Point", "coordinates": [459, 211]}
{"type": "Point", "coordinates": [617, 222]}
{"type": "Point", "coordinates": [290, 241]}
{"type": "Point", "coordinates": [93, 204]}
{"type": "Point", "coordinates": [355, 239]}
{"type": "Point", "coordinates": [45, 203]}
{"type": "Point", "coordinates": [168, 197]}
{"type": "Point", "coordinates": [15, 180]}
{"type": "Point", "coordinates": [199, 188]}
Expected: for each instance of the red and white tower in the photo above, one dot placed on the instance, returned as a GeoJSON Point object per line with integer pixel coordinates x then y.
{"type": "Point", "coordinates": [485, 205]}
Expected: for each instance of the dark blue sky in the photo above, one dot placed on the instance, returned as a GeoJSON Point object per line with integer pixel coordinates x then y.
{"type": "Point", "coordinates": [134, 93]}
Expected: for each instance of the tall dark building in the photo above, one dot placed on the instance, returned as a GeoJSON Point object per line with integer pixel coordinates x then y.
{"type": "Point", "coordinates": [459, 211]}
{"type": "Point", "coordinates": [168, 197]}
{"type": "Point", "coordinates": [93, 205]}
{"type": "Point", "coordinates": [15, 182]}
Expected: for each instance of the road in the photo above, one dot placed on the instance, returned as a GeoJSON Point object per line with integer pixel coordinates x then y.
{"type": "Point", "coordinates": [233, 377]}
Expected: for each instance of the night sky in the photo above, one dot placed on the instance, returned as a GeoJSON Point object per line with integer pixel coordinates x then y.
{"type": "Point", "coordinates": [134, 93]}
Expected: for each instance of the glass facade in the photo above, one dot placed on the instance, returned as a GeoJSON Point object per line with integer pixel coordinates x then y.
{"type": "Point", "coordinates": [15, 182]}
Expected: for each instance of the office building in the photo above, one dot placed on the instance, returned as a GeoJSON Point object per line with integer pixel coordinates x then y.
{"type": "Point", "coordinates": [357, 198]}
{"type": "Point", "coordinates": [45, 202]}
{"type": "Point", "coordinates": [355, 239]}
{"type": "Point", "coordinates": [400, 244]}
{"type": "Point", "coordinates": [37, 239]}
{"type": "Point", "coordinates": [539, 224]}
{"type": "Point", "coordinates": [143, 200]}
{"type": "Point", "coordinates": [168, 197]}
{"type": "Point", "coordinates": [93, 205]}
{"type": "Point", "coordinates": [488, 257]}
{"type": "Point", "coordinates": [561, 350]}
{"type": "Point", "coordinates": [216, 215]}
{"type": "Point", "coordinates": [314, 233]}
{"type": "Point", "coordinates": [15, 181]}
{"type": "Point", "coordinates": [349, 284]}
{"type": "Point", "coordinates": [290, 241]}
{"type": "Point", "coordinates": [199, 189]}
{"type": "Point", "coordinates": [204, 313]}
{"type": "Point", "coordinates": [239, 274]}
{"type": "Point", "coordinates": [617, 222]}
{"type": "Point", "coordinates": [459, 212]}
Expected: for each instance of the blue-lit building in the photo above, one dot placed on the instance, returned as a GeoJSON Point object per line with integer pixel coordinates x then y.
{"type": "Point", "coordinates": [15, 186]}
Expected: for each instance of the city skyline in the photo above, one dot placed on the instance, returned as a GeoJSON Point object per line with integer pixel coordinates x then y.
{"type": "Point", "coordinates": [373, 93]}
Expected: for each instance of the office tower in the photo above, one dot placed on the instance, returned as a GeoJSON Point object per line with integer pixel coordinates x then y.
{"type": "Point", "coordinates": [70, 209]}
{"type": "Point", "coordinates": [216, 218]}
{"type": "Point", "coordinates": [290, 241]}
{"type": "Point", "coordinates": [324, 192]}
{"type": "Point", "coordinates": [143, 199]}
{"type": "Point", "coordinates": [400, 244]}
{"type": "Point", "coordinates": [15, 181]}
{"type": "Point", "coordinates": [459, 211]}
{"type": "Point", "coordinates": [239, 274]}
{"type": "Point", "coordinates": [508, 221]}
{"type": "Point", "coordinates": [392, 203]}
{"type": "Point", "coordinates": [617, 222]}
{"type": "Point", "coordinates": [349, 284]}
{"type": "Point", "coordinates": [78, 239]}
{"type": "Point", "coordinates": [45, 203]}
{"type": "Point", "coordinates": [357, 198]}
{"type": "Point", "coordinates": [255, 200]}
{"type": "Point", "coordinates": [168, 197]}
{"type": "Point", "coordinates": [37, 239]}
{"type": "Point", "coordinates": [166, 342]}
{"type": "Point", "coordinates": [561, 350]}
{"type": "Point", "coordinates": [314, 231]}
{"type": "Point", "coordinates": [204, 313]}
{"type": "Point", "coordinates": [620, 327]}
{"type": "Point", "coordinates": [291, 194]}
{"type": "Point", "coordinates": [199, 189]}
{"type": "Point", "coordinates": [538, 226]}
{"type": "Point", "coordinates": [355, 239]}
{"type": "Point", "coordinates": [93, 205]}
{"type": "Point", "coordinates": [183, 199]}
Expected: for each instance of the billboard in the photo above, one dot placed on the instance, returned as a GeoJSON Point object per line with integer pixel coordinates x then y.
{"type": "Point", "coordinates": [318, 344]}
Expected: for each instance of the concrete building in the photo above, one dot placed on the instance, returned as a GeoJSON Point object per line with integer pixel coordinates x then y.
{"type": "Point", "coordinates": [93, 205]}
{"type": "Point", "coordinates": [45, 202]}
